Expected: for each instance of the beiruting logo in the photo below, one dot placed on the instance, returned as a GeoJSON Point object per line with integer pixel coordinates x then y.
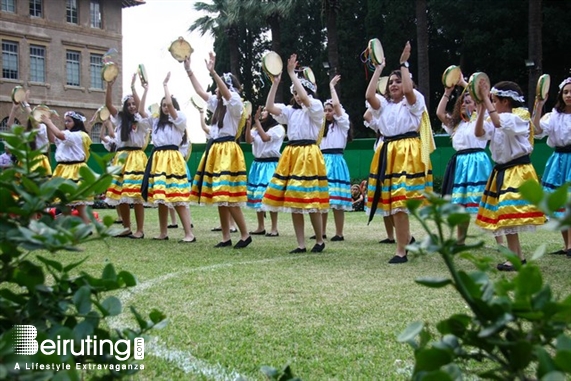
{"type": "Point", "coordinates": [25, 343]}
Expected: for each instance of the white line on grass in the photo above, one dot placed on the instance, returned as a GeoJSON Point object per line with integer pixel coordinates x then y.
{"type": "Point", "coordinates": [185, 360]}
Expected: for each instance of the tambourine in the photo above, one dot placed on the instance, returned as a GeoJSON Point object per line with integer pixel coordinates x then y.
{"type": "Point", "coordinates": [109, 71]}
{"type": "Point", "coordinates": [40, 110]}
{"type": "Point", "coordinates": [308, 74]}
{"type": "Point", "coordinates": [180, 49]}
{"type": "Point", "coordinates": [142, 74]}
{"type": "Point", "coordinates": [542, 88]}
{"type": "Point", "coordinates": [376, 51]}
{"type": "Point", "coordinates": [197, 102]}
{"type": "Point", "coordinates": [474, 85]}
{"type": "Point", "coordinates": [248, 108]}
{"type": "Point", "coordinates": [154, 110]}
{"type": "Point", "coordinates": [272, 64]}
{"type": "Point", "coordinates": [103, 113]}
{"type": "Point", "coordinates": [382, 85]}
{"type": "Point", "coordinates": [18, 94]}
{"type": "Point", "coordinates": [451, 76]}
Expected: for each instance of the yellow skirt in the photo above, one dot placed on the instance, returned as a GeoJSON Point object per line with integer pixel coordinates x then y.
{"type": "Point", "coordinates": [126, 187]}
{"type": "Point", "coordinates": [406, 177]}
{"type": "Point", "coordinates": [43, 162]}
{"type": "Point", "coordinates": [222, 180]}
{"type": "Point", "coordinates": [71, 172]}
{"type": "Point", "coordinates": [299, 184]}
{"type": "Point", "coordinates": [169, 182]}
{"type": "Point", "coordinates": [506, 211]}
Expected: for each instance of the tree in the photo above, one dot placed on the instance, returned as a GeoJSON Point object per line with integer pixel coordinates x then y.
{"type": "Point", "coordinates": [422, 35]}
{"type": "Point", "coordinates": [535, 50]}
{"type": "Point", "coordinates": [331, 8]}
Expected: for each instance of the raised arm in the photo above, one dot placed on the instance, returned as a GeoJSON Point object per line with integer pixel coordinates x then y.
{"type": "Point", "coordinates": [441, 109]}
{"type": "Point", "coordinates": [203, 125]}
{"type": "Point", "coordinates": [334, 97]}
{"type": "Point", "coordinates": [194, 81]}
{"type": "Point", "coordinates": [263, 135]}
{"type": "Point", "coordinates": [53, 131]}
{"type": "Point", "coordinates": [537, 107]}
{"type": "Point", "coordinates": [301, 93]}
{"type": "Point", "coordinates": [371, 92]}
{"type": "Point", "coordinates": [222, 88]}
{"type": "Point", "coordinates": [270, 105]}
{"type": "Point", "coordinates": [142, 110]}
{"type": "Point", "coordinates": [407, 87]}
{"type": "Point", "coordinates": [168, 99]}
{"type": "Point", "coordinates": [12, 116]}
{"type": "Point", "coordinates": [109, 99]}
{"type": "Point", "coordinates": [248, 129]}
{"type": "Point", "coordinates": [134, 91]}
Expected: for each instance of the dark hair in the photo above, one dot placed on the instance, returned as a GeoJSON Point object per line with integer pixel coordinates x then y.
{"type": "Point", "coordinates": [457, 111]}
{"type": "Point", "coordinates": [220, 111]}
{"type": "Point", "coordinates": [398, 73]}
{"type": "Point", "coordinates": [127, 121]}
{"type": "Point", "coordinates": [30, 128]}
{"type": "Point", "coordinates": [560, 104]}
{"type": "Point", "coordinates": [78, 124]}
{"type": "Point", "coordinates": [164, 118]}
{"type": "Point", "coordinates": [507, 86]}
{"type": "Point", "coordinates": [329, 123]}
{"type": "Point", "coordinates": [268, 123]}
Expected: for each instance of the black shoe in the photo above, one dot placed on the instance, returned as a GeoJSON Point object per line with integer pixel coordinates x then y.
{"type": "Point", "coordinates": [568, 253]}
{"type": "Point", "coordinates": [276, 234]}
{"type": "Point", "coordinates": [387, 240]}
{"type": "Point", "coordinates": [172, 226]}
{"type": "Point", "coordinates": [397, 259]}
{"type": "Point", "coordinates": [298, 250]}
{"type": "Point", "coordinates": [508, 266]}
{"type": "Point", "coordinates": [233, 230]}
{"type": "Point", "coordinates": [337, 238]}
{"type": "Point", "coordinates": [134, 237]}
{"type": "Point", "coordinates": [261, 232]}
{"type": "Point", "coordinates": [243, 243]}
{"type": "Point", "coordinates": [216, 229]}
{"type": "Point", "coordinates": [313, 237]}
{"type": "Point", "coordinates": [318, 248]}
{"type": "Point", "coordinates": [412, 240]}
{"type": "Point", "coordinates": [191, 241]}
{"type": "Point", "coordinates": [559, 252]}
{"type": "Point", "coordinates": [224, 244]}
{"type": "Point", "coordinates": [161, 239]}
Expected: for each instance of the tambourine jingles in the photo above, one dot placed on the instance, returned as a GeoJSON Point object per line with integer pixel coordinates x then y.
{"type": "Point", "coordinates": [451, 76]}
{"type": "Point", "coordinates": [272, 64]}
{"type": "Point", "coordinates": [180, 49]}
{"type": "Point", "coordinates": [109, 71]}
{"type": "Point", "coordinates": [474, 84]}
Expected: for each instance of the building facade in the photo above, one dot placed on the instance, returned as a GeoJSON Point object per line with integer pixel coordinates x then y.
{"type": "Point", "coordinates": [55, 49]}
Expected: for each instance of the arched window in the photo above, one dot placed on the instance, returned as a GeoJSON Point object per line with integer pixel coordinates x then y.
{"type": "Point", "coordinates": [4, 125]}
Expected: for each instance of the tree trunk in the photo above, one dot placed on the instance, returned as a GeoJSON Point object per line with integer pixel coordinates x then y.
{"type": "Point", "coordinates": [332, 44]}
{"type": "Point", "coordinates": [535, 48]}
{"type": "Point", "coordinates": [274, 22]}
{"type": "Point", "coordinates": [422, 46]}
{"type": "Point", "coordinates": [233, 37]}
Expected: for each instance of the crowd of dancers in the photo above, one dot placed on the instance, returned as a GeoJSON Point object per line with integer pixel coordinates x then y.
{"type": "Point", "coordinates": [310, 175]}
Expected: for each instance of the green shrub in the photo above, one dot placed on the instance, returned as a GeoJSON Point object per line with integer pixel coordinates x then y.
{"type": "Point", "coordinates": [60, 300]}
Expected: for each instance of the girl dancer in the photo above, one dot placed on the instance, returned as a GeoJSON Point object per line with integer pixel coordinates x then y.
{"type": "Point", "coordinates": [266, 138]}
{"type": "Point", "coordinates": [299, 185]}
{"type": "Point", "coordinates": [166, 176]}
{"type": "Point", "coordinates": [221, 175]}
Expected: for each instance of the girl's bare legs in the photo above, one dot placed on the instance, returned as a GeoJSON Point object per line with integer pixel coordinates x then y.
{"type": "Point", "coordinates": [500, 240]}
{"type": "Point", "coordinates": [389, 227]}
{"type": "Point", "coordinates": [119, 218]}
{"type": "Point", "coordinates": [462, 233]}
{"type": "Point", "coordinates": [402, 228]}
{"type": "Point", "coordinates": [317, 223]}
{"type": "Point", "coordinates": [163, 221]}
{"type": "Point", "coordinates": [566, 234]}
{"type": "Point", "coordinates": [324, 217]}
{"type": "Point", "coordinates": [514, 245]}
{"type": "Point", "coordinates": [139, 219]}
{"type": "Point", "coordinates": [224, 215]}
{"type": "Point", "coordinates": [339, 216]}
{"type": "Point", "coordinates": [261, 227]}
{"type": "Point", "coordinates": [238, 217]}
{"type": "Point", "coordinates": [184, 215]}
{"type": "Point", "coordinates": [274, 219]}
{"type": "Point", "coordinates": [172, 215]}
{"type": "Point", "coordinates": [125, 212]}
{"type": "Point", "coordinates": [298, 227]}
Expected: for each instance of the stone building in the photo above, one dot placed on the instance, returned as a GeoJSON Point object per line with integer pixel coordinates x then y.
{"type": "Point", "coordinates": [55, 49]}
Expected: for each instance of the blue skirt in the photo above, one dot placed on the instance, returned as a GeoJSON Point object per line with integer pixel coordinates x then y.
{"type": "Point", "coordinates": [339, 182]}
{"type": "Point", "coordinates": [557, 172]}
{"type": "Point", "coordinates": [258, 179]}
{"type": "Point", "coordinates": [470, 178]}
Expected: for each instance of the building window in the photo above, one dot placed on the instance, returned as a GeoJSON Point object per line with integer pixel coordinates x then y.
{"type": "Point", "coordinates": [37, 63]}
{"type": "Point", "coordinates": [9, 6]}
{"type": "Point", "coordinates": [9, 60]}
{"type": "Point", "coordinates": [95, 65]}
{"type": "Point", "coordinates": [95, 14]}
{"type": "Point", "coordinates": [4, 125]}
{"type": "Point", "coordinates": [96, 133]}
{"type": "Point", "coordinates": [71, 11]}
{"type": "Point", "coordinates": [72, 67]}
{"type": "Point", "coordinates": [36, 8]}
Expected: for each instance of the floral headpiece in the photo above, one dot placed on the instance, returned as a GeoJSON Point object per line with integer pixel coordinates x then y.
{"type": "Point", "coordinates": [566, 81]}
{"type": "Point", "coordinates": [227, 78]}
{"type": "Point", "coordinates": [126, 97]}
{"type": "Point", "coordinates": [328, 102]}
{"type": "Point", "coordinates": [75, 115]}
{"type": "Point", "coordinates": [507, 94]}
{"type": "Point", "coordinates": [305, 83]}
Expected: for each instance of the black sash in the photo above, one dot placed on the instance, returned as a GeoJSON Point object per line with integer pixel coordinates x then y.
{"type": "Point", "coordinates": [129, 149]}
{"type": "Point", "coordinates": [145, 184]}
{"type": "Point", "coordinates": [200, 171]}
{"type": "Point", "coordinates": [448, 180]}
{"type": "Point", "coordinates": [333, 151]}
{"type": "Point", "coordinates": [499, 171]}
{"type": "Point", "coordinates": [301, 142]}
{"type": "Point", "coordinates": [564, 149]}
{"type": "Point", "coordinates": [71, 162]}
{"type": "Point", "coordinates": [382, 167]}
{"type": "Point", "coordinates": [267, 159]}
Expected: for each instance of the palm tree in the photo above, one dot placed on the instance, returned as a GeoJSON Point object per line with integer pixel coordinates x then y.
{"type": "Point", "coordinates": [228, 14]}
{"type": "Point", "coordinates": [331, 9]}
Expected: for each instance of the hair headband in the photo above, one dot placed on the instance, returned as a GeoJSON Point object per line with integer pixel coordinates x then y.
{"type": "Point", "coordinates": [227, 78]}
{"type": "Point", "coordinates": [305, 83]}
{"type": "Point", "coordinates": [127, 97]}
{"type": "Point", "coordinates": [74, 115]}
{"type": "Point", "coordinates": [507, 94]}
{"type": "Point", "coordinates": [566, 81]}
{"type": "Point", "coordinates": [328, 102]}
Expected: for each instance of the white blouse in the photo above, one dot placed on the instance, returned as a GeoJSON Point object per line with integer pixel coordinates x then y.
{"type": "Point", "coordinates": [169, 134]}
{"type": "Point", "coordinates": [337, 134]}
{"type": "Point", "coordinates": [509, 141]}
{"type": "Point", "coordinates": [303, 123]}
{"type": "Point", "coordinates": [464, 136]}
{"type": "Point", "coordinates": [234, 107]}
{"type": "Point", "coordinates": [557, 127]}
{"type": "Point", "coordinates": [71, 148]}
{"type": "Point", "coordinates": [399, 118]}
{"type": "Point", "coordinates": [137, 136]}
{"type": "Point", "coordinates": [42, 141]}
{"type": "Point", "coordinates": [270, 148]}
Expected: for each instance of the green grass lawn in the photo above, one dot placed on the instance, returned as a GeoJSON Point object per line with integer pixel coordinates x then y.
{"type": "Point", "coordinates": [332, 316]}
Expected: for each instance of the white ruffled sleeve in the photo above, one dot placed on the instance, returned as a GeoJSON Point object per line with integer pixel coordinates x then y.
{"type": "Point", "coordinates": [343, 121]}
{"type": "Point", "coordinates": [234, 105]}
{"type": "Point", "coordinates": [513, 125]}
{"type": "Point", "coordinates": [283, 118]}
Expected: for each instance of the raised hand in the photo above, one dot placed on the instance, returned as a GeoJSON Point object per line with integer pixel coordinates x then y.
{"type": "Point", "coordinates": [187, 63]}
{"type": "Point", "coordinates": [166, 81]}
{"type": "Point", "coordinates": [292, 64]}
{"type": "Point", "coordinates": [211, 62]}
{"type": "Point", "coordinates": [335, 80]}
{"type": "Point", "coordinates": [405, 55]}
